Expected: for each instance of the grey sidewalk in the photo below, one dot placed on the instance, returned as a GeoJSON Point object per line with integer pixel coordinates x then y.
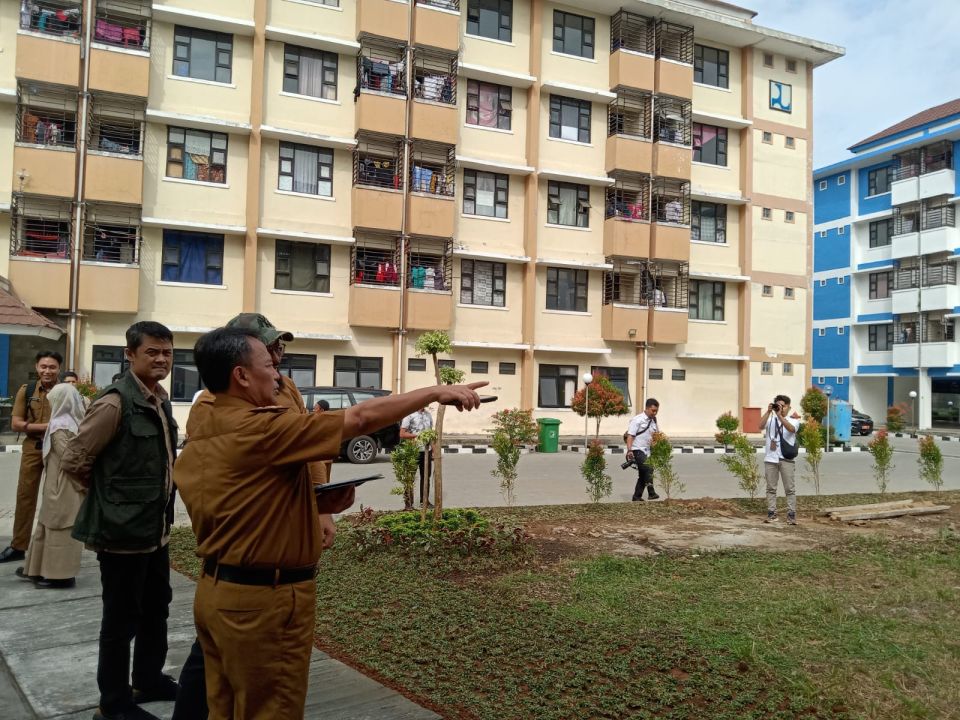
{"type": "Point", "coordinates": [48, 656]}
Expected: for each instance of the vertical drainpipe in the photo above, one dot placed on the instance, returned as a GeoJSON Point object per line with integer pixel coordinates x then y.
{"type": "Point", "coordinates": [920, 324]}
{"type": "Point", "coordinates": [408, 72]}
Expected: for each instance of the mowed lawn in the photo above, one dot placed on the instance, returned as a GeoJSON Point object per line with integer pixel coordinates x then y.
{"type": "Point", "coordinates": [868, 628]}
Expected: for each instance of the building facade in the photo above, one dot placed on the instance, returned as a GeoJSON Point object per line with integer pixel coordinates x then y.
{"type": "Point", "coordinates": [886, 246]}
{"type": "Point", "coordinates": [563, 188]}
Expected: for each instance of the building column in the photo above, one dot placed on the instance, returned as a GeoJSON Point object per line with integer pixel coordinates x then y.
{"type": "Point", "coordinates": [924, 401]}
{"type": "Point", "coordinates": [251, 241]}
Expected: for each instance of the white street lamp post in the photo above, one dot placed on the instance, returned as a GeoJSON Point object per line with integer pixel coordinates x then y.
{"type": "Point", "coordinates": [828, 391]}
{"type": "Point", "coordinates": [913, 407]}
{"type": "Point", "coordinates": [587, 379]}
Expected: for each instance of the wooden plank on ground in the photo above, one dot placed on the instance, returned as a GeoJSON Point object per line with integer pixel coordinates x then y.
{"type": "Point", "coordinates": [872, 506]}
{"type": "Point", "coordinates": [918, 510]}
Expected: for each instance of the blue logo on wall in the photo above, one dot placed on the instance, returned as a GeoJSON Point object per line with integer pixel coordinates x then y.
{"type": "Point", "coordinates": [781, 96]}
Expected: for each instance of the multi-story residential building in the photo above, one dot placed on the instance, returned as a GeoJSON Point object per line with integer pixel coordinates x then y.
{"type": "Point", "coordinates": [886, 245]}
{"type": "Point", "coordinates": [561, 187]}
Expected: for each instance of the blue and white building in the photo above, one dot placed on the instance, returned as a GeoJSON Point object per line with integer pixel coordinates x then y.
{"type": "Point", "coordinates": [886, 303]}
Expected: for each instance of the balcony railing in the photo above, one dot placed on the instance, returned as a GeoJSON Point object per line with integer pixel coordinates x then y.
{"type": "Point", "coordinates": [377, 161]}
{"type": "Point", "coordinates": [433, 168]}
{"type": "Point", "coordinates": [40, 227]}
{"type": "Point", "coordinates": [930, 329]}
{"type": "Point", "coordinates": [908, 278]}
{"type": "Point", "coordinates": [672, 120]}
{"type": "Point", "coordinates": [628, 198]}
{"type": "Point", "coordinates": [375, 260]}
{"type": "Point", "coordinates": [929, 215]}
{"type": "Point", "coordinates": [123, 23]}
{"type": "Point", "coordinates": [674, 42]}
{"type": "Point", "coordinates": [670, 284]}
{"type": "Point", "coordinates": [630, 282]}
{"type": "Point", "coordinates": [629, 114]}
{"type": "Point", "coordinates": [381, 66]}
{"type": "Point", "coordinates": [927, 159]}
{"type": "Point", "coordinates": [442, 4]}
{"type": "Point", "coordinates": [116, 123]}
{"type": "Point", "coordinates": [51, 17]}
{"type": "Point", "coordinates": [46, 114]}
{"type": "Point", "coordinates": [429, 264]}
{"type": "Point", "coordinates": [938, 216]}
{"type": "Point", "coordinates": [671, 201]}
{"type": "Point", "coordinates": [629, 31]}
{"type": "Point", "coordinates": [435, 75]}
{"type": "Point", "coordinates": [111, 233]}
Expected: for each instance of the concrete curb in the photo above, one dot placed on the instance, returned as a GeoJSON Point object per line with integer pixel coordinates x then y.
{"type": "Point", "coordinates": [917, 436]}
{"type": "Point", "coordinates": [618, 449]}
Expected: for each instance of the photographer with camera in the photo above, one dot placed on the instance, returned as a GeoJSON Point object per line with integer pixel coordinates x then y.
{"type": "Point", "coordinates": [638, 438]}
{"type": "Point", "coordinates": [779, 429]}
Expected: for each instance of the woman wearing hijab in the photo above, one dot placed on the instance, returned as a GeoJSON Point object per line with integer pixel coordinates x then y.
{"type": "Point", "coordinates": [53, 559]}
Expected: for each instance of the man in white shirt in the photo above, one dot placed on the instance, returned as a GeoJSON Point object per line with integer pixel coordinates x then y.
{"type": "Point", "coordinates": [779, 426]}
{"type": "Point", "coordinates": [639, 436]}
{"type": "Point", "coordinates": [411, 426]}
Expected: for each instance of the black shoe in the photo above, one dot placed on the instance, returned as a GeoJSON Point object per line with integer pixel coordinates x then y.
{"type": "Point", "coordinates": [651, 493]}
{"type": "Point", "coordinates": [11, 554]}
{"type": "Point", "coordinates": [58, 584]}
{"type": "Point", "coordinates": [636, 499]}
{"type": "Point", "coordinates": [164, 690]}
{"type": "Point", "coordinates": [21, 573]}
{"type": "Point", "coordinates": [131, 713]}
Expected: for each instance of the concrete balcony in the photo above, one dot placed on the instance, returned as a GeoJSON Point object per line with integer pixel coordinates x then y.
{"type": "Point", "coordinates": [906, 245]}
{"type": "Point", "coordinates": [674, 78]}
{"type": "Point", "coordinates": [434, 121]}
{"type": "Point", "coordinates": [381, 113]}
{"type": "Point", "coordinates": [620, 322]}
{"type": "Point", "coordinates": [934, 354]}
{"type": "Point", "coordinates": [672, 161]}
{"type": "Point", "coordinates": [436, 27]}
{"type": "Point", "coordinates": [48, 59]}
{"type": "Point", "coordinates": [383, 18]}
{"type": "Point", "coordinates": [941, 239]}
{"type": "Point", "coordinates": [121, 73]}
{"type": "Point", "coordinates": [114, 179]}
{"type": "Point", "coordinates": [632, 69]}
{"type": "Point", "coordinates": [670, 242]}
{"type": "Point", "coordinates": [377, 209]}
{"type": "Point", "coordinates": [668, 326]}
{"type": "Point", "coordinates": [626, 238]}
{"type": "Point", "coordinates": [629, 153]}
{"type": "Point", "coordinates": [934, 297]}
{"type": "Point", "coordinates": [928, 185]}
{"type": "Point", "coordinates": [105, 287]}
{"type": "Point", "coordinates": [429, 309]}
{"type": "Point", "coordinates": [50, 170]}
{"type": "Point", "coordinates": [433, 215]}
{"type": "Point", "coordinates": [41, 283]}
{"type": "Point", "coordinates": [904, 301]}
{"type": "Point", "coordinates": [372, 306]}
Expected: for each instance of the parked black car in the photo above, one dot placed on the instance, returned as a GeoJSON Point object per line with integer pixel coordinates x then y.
{"type": "Point", "coordinates": [860, 423]}
{"type": "Point", "coordinates": [363, 448]}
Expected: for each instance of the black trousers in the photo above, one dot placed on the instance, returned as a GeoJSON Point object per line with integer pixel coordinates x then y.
{"type": "Point", "coordinates": [644, 476]}
{"type": "Point", "coordinates": [136, 604]}
{"type": "Point", "coordinates": [425, 477]}
{"type": "Point", "coordinates": [192, 693]}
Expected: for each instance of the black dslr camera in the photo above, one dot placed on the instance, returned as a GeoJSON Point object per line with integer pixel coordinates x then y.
{"type": "Point", "coordinates": [628, 464]}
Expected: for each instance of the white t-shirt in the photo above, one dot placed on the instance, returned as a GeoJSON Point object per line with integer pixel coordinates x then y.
{"type": "Point", "coordinates": [642, 428]}
{"type": "Point", "coordinates": [771, 434]}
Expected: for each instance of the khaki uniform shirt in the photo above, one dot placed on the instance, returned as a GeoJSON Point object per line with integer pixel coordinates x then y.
{"type": "Point", "coordinates": [34, 410]}
{"type": "Point", "coordinates": [243, 479]}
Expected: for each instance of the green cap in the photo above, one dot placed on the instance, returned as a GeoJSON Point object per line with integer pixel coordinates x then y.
{"type": "Point", "coordinates": [264, 329]}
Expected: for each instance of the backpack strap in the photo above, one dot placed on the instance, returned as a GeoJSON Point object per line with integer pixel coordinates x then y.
{"type": "Point", "coordinates": [31, 389]}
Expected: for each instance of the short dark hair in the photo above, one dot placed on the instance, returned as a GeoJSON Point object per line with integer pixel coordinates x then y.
{"type": "Point", "coordinates": [324, 405]}
{"type": "Point", "coordinates": [783, 398]}
{"type": "Point", "coordinates": [70, 373]}
{"type": "Point", "coordinates": [49, 354]}
{"type": "Point", "coordinates": [651, 402]}
{"type": "Point", "coordinates": [139, 330]}
{"type": "Point", "coordinates": [218, 352]}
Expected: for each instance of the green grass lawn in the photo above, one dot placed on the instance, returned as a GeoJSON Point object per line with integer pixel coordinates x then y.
{"type": "Point", "coordinates": [870, 628]}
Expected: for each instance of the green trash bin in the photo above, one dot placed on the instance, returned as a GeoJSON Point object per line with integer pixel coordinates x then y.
{"type": "Point", "coordinates": [549, 435]}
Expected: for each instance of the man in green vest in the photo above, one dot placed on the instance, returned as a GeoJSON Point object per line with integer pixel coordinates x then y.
{"type": "Point", "coordinates": [123, 453]}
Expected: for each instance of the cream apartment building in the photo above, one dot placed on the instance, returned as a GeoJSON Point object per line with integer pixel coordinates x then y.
{"type": "Point", "coordinates": [605, 186]}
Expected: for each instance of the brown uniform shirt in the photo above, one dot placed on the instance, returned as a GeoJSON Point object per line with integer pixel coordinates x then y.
{"type": "Point", "coordinates": [243, 479]}
{"type": "Point", "coordinates": [34, 410]}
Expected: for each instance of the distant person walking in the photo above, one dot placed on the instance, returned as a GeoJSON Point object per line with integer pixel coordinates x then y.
{"type": "Point", "coordinates": [639, 437]}
{"type": "Point", "coordinates": [779, 428]}
{"type": "Point", "coordinates": [410, 429]}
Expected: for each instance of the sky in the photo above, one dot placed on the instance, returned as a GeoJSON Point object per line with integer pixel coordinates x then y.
{"type": "Point", "coordinates": [901, 58]}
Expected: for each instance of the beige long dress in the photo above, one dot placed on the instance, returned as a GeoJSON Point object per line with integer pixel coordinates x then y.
{"type": "Point", "coordinates": [53, 554]}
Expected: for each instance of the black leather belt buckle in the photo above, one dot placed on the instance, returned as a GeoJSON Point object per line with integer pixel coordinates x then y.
{"type": "Point", "coordinates": [258, 576]}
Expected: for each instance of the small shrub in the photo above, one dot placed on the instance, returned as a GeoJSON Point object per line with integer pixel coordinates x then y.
{"type": "Point", "coordinates": [814, 403]}
{"type": "Point", "coordinates": [727, 424]}
{"type": "Point", "coordinates": [896, 417]}
{"type": "Point", "coordinates": [743, 464]}
{"type": "Point", "coordinates": [405, 459]}
{"type": "Point", "coordinates": [661, 460]}
{"type": "Point", "coordinates": [811, 437]}
{"type": "Point", "coordinates": [931, 462]}
{"type": "Point", "coordinates": [594, 471]}
{"type": "Point", "coordinates": [511, 430]}
{"type": "Point", "coordinates": [882, 453]}
{"type": "Point", "coordinates": [605, 401]}
{"type": "Point", "coordinates": [86, 388]}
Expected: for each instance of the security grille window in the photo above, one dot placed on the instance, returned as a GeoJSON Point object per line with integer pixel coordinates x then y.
{"type": "Point", "coordinates": [906, 219]}
{"type": "Point", "coordinates": [907, 275]}
{"type": "Point", "coordinates": [708, 222]}
{"type": "Point", "coordinates": [491, 19]}
{"type": "Point", "coordinates": [202, 55]}
{"type": "Point", "coordinates": [570, 119]}
{"type": "Point", "coordinates": [711, 66]}
{"type": "Point", "coordinates": [881, 232]}
{"type": "Point", "coordinates": [302, 266]}
{"type": "Point", "coordinates": [557, 386]}
{"type": "Point", "coordinates": [309, 72]}
{"type": "Point", "coordinates": [670, 284]}
{"type": "Point", "coordinates": [489, 105]}
{"type": "Point", "coordinates": [111, 233]}
{"type": "Point", "coordinates": [906, 329]}
{"type": "Point", "coordinates": [429, 263]}
{"type": "Point", "coordinates": [768, 60]}
{"type": "Point", "coordinates": [51, 17]}
{"type": "Point", "coordinates": [789, 142]}
{"type": "Point", "coordinates": [375, 260]}
{"type": "Point", "coordinates": [766, 368]}
{"type": "Point", "coordinates": [671, 120]}
{"type": "Point", "coordinates": [40, 227]}
{"type": "Point", "coordinates": [363, 372]}
{"type": "Point", "coordinates": [629, 31]}
{"type": "Point", "coordinates": [483, 283]}
{"type": "Point", "coordinates": [655, 374]}
{"type": "Point", "coordinates": [671, 201]}
{"type": "Point", "coordinates": [940, 270]}
{"type": "Point", "coordinates": [791, 66]}
{"type": "Point", "coordinates": [191, 257]}
{"type": "Point", "coordinates": [629, 282]}
{"type": "Point", "coordinates": [485, 193]}
{"type": "Point", "coordinates": [381, 66]}
{"type": "Point", "coordinates": [479, 367]}
{"type": "Point", "coordinates": [706, 300]}
{"type": "Point", "coordinates": [185, 379]}
{"type": "Point", "coordinates": [907, 164]}
{"type": "Point", "coordinates": [432, 168]}
{"type": "Point", "coordinates": [938, 156]}
{"type": "Point", "coordinates": [46, 114]}
{"type": "Point", "coordinates": [567, 289]}
{"type": "Point", "coordinates": [767, 214]}
{"type": "Point", "coordinates": [507, 368]}
{"type": "Point", "coordinates": [789, 216]}
{"type": "Point", "coordinates": [416, 365]}
{"type": "Point", "coordinates": [674, 42]}
{"type": "Point", "coordinates": [435, 76]}
{"type": "Point", "coordinates": [568, 204]}
{"type": "Point", "coordinates": [939, 212]}
{"type": "Point", "coordinates": [629, 196]}
{"type": "Point", "coordinates": [123, 23]}
{"type": "Point", "coordinates": [678, 375]}
{"type": "Point", "coordinates": [786, 369]}
{"type": "Point", "coordinates": [107, 362]}
{"type": "Point", "coordinates": [881, 283]}
{"type": "Point", "coordinates": [788, 293]}
{"type": "Point", "coordinates": [377, 161]}
{"type": "Point", "coordinates": [306, 169]}
{"type": "Point", "coordinates": [629, 114]}
{"type": "Point", "coordinates": [302, 369]}
{"type": "Point", "coordinates": [619, 377]}
{"type": "Point", "coordinates": [710, 144]}
{"type": "Point", "coordinates": [197, 155]}
{"type": "Point", "coordinates": [116, 124]}
{"type": "Point", "coordinates": [573, 34]}
{"type": "Point", "coordinates": [880, 337]}
{"type": "Point", "coordinates": [878, 181]}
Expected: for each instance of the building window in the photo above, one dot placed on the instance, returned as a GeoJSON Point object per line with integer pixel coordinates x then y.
{"type": "Point", "coordinates": [791, 66]}
{"type": "Point", "coordinates": [781, 96]}
{"type": "Point", "coordinates": [711, 66]}
{"type": "Point", "coordinates": [880, 337]}
{"type": "Point", "coordinates": [768, 137]}
{"type": "Point", "coordinates": [822, 332]}
{"type": "Point", "coordinates": [706, 300]}
{"type": "Point", "coordinates": [197, 155]}
{"type": "Point", "coordinates": [447, 363]}
{"type": "Point", "coordinates": [768, 60]}
{"type": "Point", "coordinates": [479, 367]}
{"type": "Point", "coordinates": [679, 375]}
{"type": "Point", "coordinates": [655, 374]}
{"type": "Point", "coordinates": [107, 362]}
{"type": "Point", "coordinates": [766, 368]}
{"type": "Point", "coordinates": [489, 105]}
{"type": "Point", "coordinates": [709, 144]}
{"type": "Point", "coordinates": [364, 372]}
{"type": "Point", "coordinates": [788, 293]}
{"type": "Point", "coordinates": [483, 283]}
{"type": "Point", "coordinates": [786, 369]}
{"type": "Point", "coordinates": [767, 214]}
{"type": "Point", "coordinates": [821, 380]}
{"type": "Point", "coordinates": [417, 364]}
{"type": "Point", "coordinates": [619, 377]}
{"type": "Point", "coordinates": [184, 378]}
{"type": "Point", "coordinates": [302, 266]}
{"type": "Point", "coordinates": [508, 368]}
{"type": "Point", "coordinates": [881, 233]}
{"type": "Point", "coordinates": [823, 233]}
{"type": "Point", "coordinates": [841, 230]}
{"type": "Point", "coordinates": [302, 369]}
{"type": "Point", "coordinates": [789, 142]}
{"type": "Point", "coordinates": [839, 381]}
{"type": "Point", "coordinates": [490, 19]}
{"type": "Point", "coordinates": [573, 34]}
{"type": "Point", "coordinates": [842, 180]}
{"type": "Point", "coordinates": [878, 181]}
{"type": "Point", "coordinates": [841, 330]}
{"type": "Point", "coordinates": [191, 257]}
{"type": "Point", "coordinates": [823, 184]}
{"type": "Point", "coordinates": [309, 72]}
{"type": "Point", "coordinates": [881, 283]}
{"type": "Point", "coordinates": [568, 204]}
{"type": "Point", "coordinates": [569, 119]}
{"type": "Point", "coordinates": [841, 280]}
{"type": "Point", "coordinates": [558, 385]}
{"type": "Point", "coordinates": [767, 291]}
{"type": "Point", "coordinates": [789, 216]}
{"type": "Point", "coordinates": [567, 289]}
{"type": "Point", "coordinates": [305, 169]}
{"type": "Point", "coordinates": [202, 55]}
{"type": "Point", "coordinates": [709, 222]}
{"type": "Point", "coordinates": [485, 194]}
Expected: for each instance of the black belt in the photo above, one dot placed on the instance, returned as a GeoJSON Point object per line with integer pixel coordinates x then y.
{"type": "Point", "coordinates": [258, 576]}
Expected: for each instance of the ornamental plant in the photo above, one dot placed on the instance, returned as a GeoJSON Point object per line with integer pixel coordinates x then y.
{"type": "Point", "coordinates": [404, 459]}
{"type": "Point", "coordinates": [605, 401]}
{"type": "Point", "coordinates": [743, 464]}
{"type": "Point", "coordinates": [931, 462]}
{"type": "Point", "coordinates": [661, 460]}
{"type": "Point", "coordinates": [812, 440]}
{"type": "Point", "coordinates": [727, 424]}
{"type": "Point", "coordinates": [882, 453]}
{"type": "Point", "coordinates": [896, 417]}
{"type": "Point", "coordinates": [86, 388]}
{"type": "Point", "coordinates": [814, 404]}
{"type": "Point", "coordinates": [511, 430]}
{"type": "Point", "coordinates": [594, 471]}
